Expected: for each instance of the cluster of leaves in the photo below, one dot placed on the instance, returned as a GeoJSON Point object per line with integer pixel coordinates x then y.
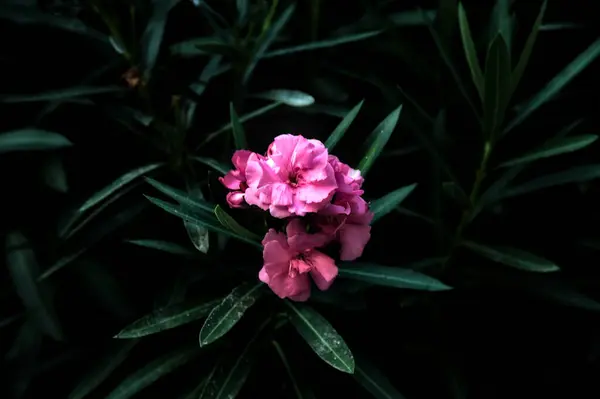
{"type": "Point", "coordinates": [158, 87]}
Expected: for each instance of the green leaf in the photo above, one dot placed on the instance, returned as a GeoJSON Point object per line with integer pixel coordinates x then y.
{"type": "Point", "coordinates": [266, 40]}
{"type": "Point", "coordinates": [60, 95]}
{"type": "Point", "coordinates": [229, 375]}
{"type": "Point", "coordinates": [117, 184]}
{"type": "Point", "coordinates": [388, 202]}
{"type": "Point", "coordinates": [193, 204]}
{"type": "Point", "coordinates": [31, 140]}
{"type": "Point", "coordinates": [242, 119]}
{"type": "Point", "coordinates": [390, 276]}
{"type": "Point", "coordinates": [555, 147]}
{"type": "Point", "coordinates": [470, 51]}
{"type": "Point", "coordinates": [333, 42]}
{"type": "Point", "coordinates": [213, 163]}
{"type": "Point", "coordinates": [164, 246]}
{"type": "Point", "coordinates": [379, 137]}
{"type": "Point", "coordinates": [209, 72]}
{"type": "Point", "coordinates": [54, 175]}
{"type": "Point", "coordinates": [153, 34]}
{"type": "Point", "coordinates": [502, 22]}
{"type": "Point", "coordinates": [292, 98]}
{"type": "Point", "coordinates": [166, 318]}
{"type": "Point", "coordinates": [556, 84]}
{"type": "Point", "coordinates": [288, 369]}
{"type": "Point", "coordinates": [226, 314]}
{"type": "Point", "coordinates": [343, 126]}
{"type": "Point", "coordinates": [513, 257]}
{"type": "Point", "coordinates": [102, 371]}
{"type": "Point", "coordinates": [201, 46]}
{"type": "Point", "coordinates": [497, 84]}
{"type": "Point", "coordinates": [24, 271]}
{"type": "Point", "coordinates": [374, 381]}
{"type": "Point", "coordinates": [574, 175]}
{"type": "Point", "coordinates": [242, 10]}
{"type": "Point", "coordinates": [321, 336]}
{"type": "Point", "coordinates": [239, 136]}
{"type": "Point", "coordinates": [151, 373]}
{"type": "Point", "coordinates": [517, 73]}
{"type": "Point", "coordinates": [231, 224]}
{"type": "Point", "coordinates": [198, 234]}
{"type": "Point", "coordinates": [206, 222]}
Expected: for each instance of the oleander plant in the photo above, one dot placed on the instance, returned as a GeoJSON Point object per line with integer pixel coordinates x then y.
{"type": "Point", "coordinates": [299, 199]}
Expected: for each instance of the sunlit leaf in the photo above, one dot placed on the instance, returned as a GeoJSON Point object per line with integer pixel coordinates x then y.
{"type": "Point", "coordinates": [333, 42]}
{"type": "Point", "coordinates": [388, 202]}
{"type": "Point", "coordinates": [321, 336]}
{"type": "Point", "coordinates": [153, 34]}
{"type": "Point", "coordinates": [226, 314]}
{"type": "Point", "coordinates": [151, 373]}
{"type": "Point", "coordinates": [102, 371]}
{"type": "Point", "coordinates": [343, 126]}
{"type": "Point", "coordinates": [164, 246]}
{"type": "Point", "coordinates": [267, 39]}
{"type": "Point", "coordinates": [517, 73]}
{"type": "Point", "coordinates": [390, 276]}
{"type": "Point", "coordinates": [497, 86]}
{"type": "Point", "coordinates": [513, 257]}
{"type": "Point", "coordinates": [292, 98]}
{"type": "Point", "coordinates": [60, 95]}
{"type": "Point", "coordinates": [577, 174]}
{"type": "Point", "coordinates": [374, 381]}
{"type": "Point", "coordinates": [379, 138]}
{"type": "Point", "coordinates": [30, 139]}
{"type": "Point", "coordinates": [556, 147]}
{"type": "Point", "coordinates": [470, 52]}
{"type": "Point", "coordinates": [556, 84]}
{"type": "Point", "coordinates": [24, 271]}
{"type": "Point", "coordinates": [118, 184]}
{"type": "Point", "coordinates": [239, 135]}
{"type": "Point", "coordinates": [166, 318]}
{"type": "Point", "coordinates": [231, 224]}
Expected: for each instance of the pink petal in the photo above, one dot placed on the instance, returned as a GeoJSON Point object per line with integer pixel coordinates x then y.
{"type": "Point", "coordinates": [240, 159]}
{"type": "Point", "coordinates": [353, 239]}
{"type": "Point", "coordinates": [232, 180]}
{"type": "Point", "coordinates": [281, 194]}
{"type": "Point", "coordinates": [258, 172]}
{"type": "Point", "coordinates": [274, 235]}
{"type": "Point", "coordinates": [318, 191]}
{"type": "Point", "coordinates": [263, 275]}
{"type": "Point", "coordinates": [324, 271]}
{"type": "Point", "coordinates": [284, 286]}
{"type": "Point", "coordinates": [275, 253]}
{"type": "Point", "coordinates": [235, 199]}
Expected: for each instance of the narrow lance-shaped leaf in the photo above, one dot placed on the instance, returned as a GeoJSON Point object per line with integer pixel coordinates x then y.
{"type": "Point", "coordinates": [517, 73]}
{"type": "Point", "coordinates": [169, 317]}
{"type": "Point", "coordinates": [470, 51]}
{"type": "Point", "coordinates": [496, 91]}
{"type": "Point", "coordinates": [577, 174]}
{"type": "Point", "coordinates": [102, 371]}
{"type": "Point", "coordinates": [24, 271]}
{"type": "Point", "coordinates": [198, 234]}
{"type": "Point", "coordinates": [343, 126]}
{"type": "Point", "coordinates": [213, 163]}
{"type": "Point", "coordinates": [118, 184]}
{"type": "Point", "coordinates": [388, 202]}
{"type": "Point", "coordinates": [230, 223]}
{"type": "Point", "coordinates": [32, 140]}
{"type": "Point", "coordinates": [266, 41]}
{"type": "Point", "coordinates": [513, 257]}
{"type": "Point", "coordinates": [555, 147]}
{"type": "Point", "coordinates": [226, 314]}
{"type": "Point", "coordinates": [60, 95]}
{"type": "Point", "coordinates": [374, 381]}
{"type": "Point", "coordinates": [502, 22]}
{"type": "Point", "coordinates": [379, 138]}
{"type": "Point", "coordinates": [556, 84]}
{"type": "Point", "coordinates": [292, 98]}
{"type": "Point", "coordinates": [230, 374]}
{"type": "Point", "coordinates": [193, 204]}
{"type": "Point", "coordinates": [239, 135]}
{"type": "Point", "coordinates": [321, 336]}
{"type": "Point", "coordinates": [164, 246]}
{"type": "Point", "coordinates": [322, 44]}
{"type": "Point", "coordinates": [390, 276]}
{"type": "Point", "coordinates": [151, 373]}
{"type": "Point", "coordinates": [153, 34]}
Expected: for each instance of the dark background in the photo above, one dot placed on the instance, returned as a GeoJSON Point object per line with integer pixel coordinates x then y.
{"type": "Point", "coordinates": [500, 333]}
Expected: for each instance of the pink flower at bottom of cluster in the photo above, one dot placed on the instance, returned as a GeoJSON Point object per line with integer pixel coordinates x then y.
{"type": "Point", "coordinates": [289, 259]}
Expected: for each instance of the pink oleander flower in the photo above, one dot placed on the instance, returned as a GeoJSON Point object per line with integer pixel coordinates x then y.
{"type": "Point", "coordinates": [235, 179]}
{"type": "Point", "coordinates": [348, 180]}
{"type": "Point", "coordinates": [347, 220]}
{"type": "Point", "coordinates": [295, 177]}
{"type": "Point", "coordinates": [290, 258]}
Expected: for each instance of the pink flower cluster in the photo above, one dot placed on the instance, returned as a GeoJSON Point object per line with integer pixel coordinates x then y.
{"type": "Point", "coordinates": [300, 181]}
